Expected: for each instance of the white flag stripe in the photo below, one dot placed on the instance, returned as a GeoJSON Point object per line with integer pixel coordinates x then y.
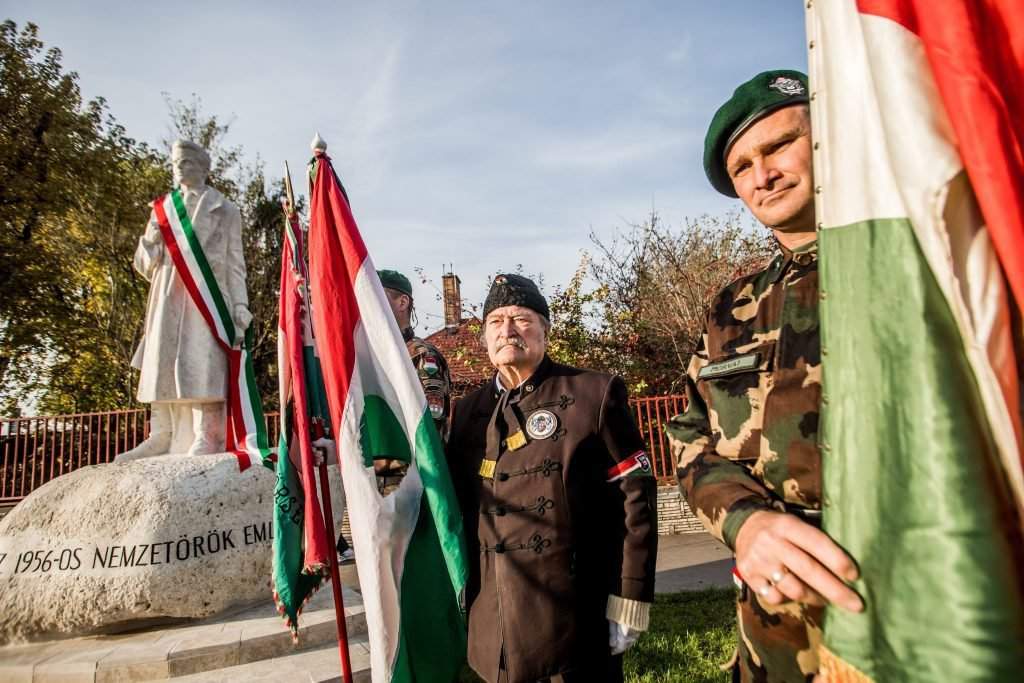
{"type": "Point", "coordinates": [382, 525]}
{"type": "Point", "coordinates": [402, 386]}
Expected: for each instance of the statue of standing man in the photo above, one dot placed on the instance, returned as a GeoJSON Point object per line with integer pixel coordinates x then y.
{"type": "Point", "coordinates": [184, 368]}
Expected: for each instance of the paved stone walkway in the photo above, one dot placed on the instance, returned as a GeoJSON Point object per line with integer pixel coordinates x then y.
{"type": "Point", "coordinates": [254, 645]}
{"type": "Point", "coordinates": [692, 562]}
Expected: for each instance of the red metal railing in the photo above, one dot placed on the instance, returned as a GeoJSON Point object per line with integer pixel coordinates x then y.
{"type": "Point", "coordinates": [34, 450]}
{"type": "Point", "coordinates": [651, 415]}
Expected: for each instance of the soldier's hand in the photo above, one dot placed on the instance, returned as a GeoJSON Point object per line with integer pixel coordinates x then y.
{"type": "Point", "coordinates": [783, 558]}
{"type": "Point", "coordinates": [325, 452]}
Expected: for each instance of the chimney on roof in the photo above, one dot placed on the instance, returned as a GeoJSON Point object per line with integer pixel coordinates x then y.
{"type": "Point", "coordinates": [452, 302]}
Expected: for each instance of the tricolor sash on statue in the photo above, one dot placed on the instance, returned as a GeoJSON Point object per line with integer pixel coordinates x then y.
{"type": "Point", "coordinates": [410, 547]}
{"type": "Point", "coordinates": [918, 125]}
{"type": "Point", "coordinates": [246, 430]}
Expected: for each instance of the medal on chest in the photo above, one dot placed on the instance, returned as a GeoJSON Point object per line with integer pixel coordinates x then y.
{"type": "Point", "coordinates": [541, 424]}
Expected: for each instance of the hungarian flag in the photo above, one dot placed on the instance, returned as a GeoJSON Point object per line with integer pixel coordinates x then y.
{"type": "Point", "coordinates": [409, 545]}
{"type": "Point", "coordinates": [918, 122]}
{"type": "Point", "coordinates": [301, 554]}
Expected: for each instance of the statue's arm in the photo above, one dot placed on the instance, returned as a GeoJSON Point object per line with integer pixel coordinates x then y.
{"type": "Point", "coordinates": [236, 274]}
{"type": "Point", "coordinates": [150, 251]}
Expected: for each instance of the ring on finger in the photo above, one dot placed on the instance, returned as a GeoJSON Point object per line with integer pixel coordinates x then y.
{"type": "Point", "coordinates": [778, 575]}
{"type": "Point", "coordinates": [764, 590]}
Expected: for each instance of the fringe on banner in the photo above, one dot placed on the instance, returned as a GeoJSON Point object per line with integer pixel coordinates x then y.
{"type": "Point", "coordinates": [833, 669]}
{"type": "Point", "coordinates": [293, 626]}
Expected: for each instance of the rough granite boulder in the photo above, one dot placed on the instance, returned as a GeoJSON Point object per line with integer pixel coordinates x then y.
{"type": "Point", "coordinates": [111, 547]}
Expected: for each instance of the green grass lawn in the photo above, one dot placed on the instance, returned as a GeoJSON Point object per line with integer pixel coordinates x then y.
{"type": "Point", "coordinates": [691, 634]}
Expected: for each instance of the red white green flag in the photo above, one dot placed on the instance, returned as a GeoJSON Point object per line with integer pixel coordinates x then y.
{"type": "Point", "coordinates": [409, 544]}
{"type": "Point", "coordinates": [918, 120]}
{"type": "Point", "coordinates": [301, 553]}
{"type": "Point", "coordinates": [246, 430]}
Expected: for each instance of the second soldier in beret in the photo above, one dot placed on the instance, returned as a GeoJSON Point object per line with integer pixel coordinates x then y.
{"type": "Point", "coordinates": [558, 499]}
{"type": "Point", "coordinates": [430, 364]}
{"type": "Point", "coordinates": [747, 451]}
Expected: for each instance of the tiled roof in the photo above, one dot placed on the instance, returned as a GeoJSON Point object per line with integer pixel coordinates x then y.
{"type": "Point", "coordinates": [467, 358]}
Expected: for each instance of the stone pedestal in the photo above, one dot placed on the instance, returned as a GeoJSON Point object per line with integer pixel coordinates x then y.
{"type": "Point", "coordinates": [117, 546]}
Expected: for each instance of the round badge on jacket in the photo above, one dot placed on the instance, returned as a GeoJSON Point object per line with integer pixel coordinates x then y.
{"type": "Point", "coordinates": [541, 424]}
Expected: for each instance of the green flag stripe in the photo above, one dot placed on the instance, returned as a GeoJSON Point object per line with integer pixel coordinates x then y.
{"type": "Point", "coordinates": [292, 586]}
{"type": "Point", "coordinates": [440, 496]}
{"type": "Point", "coordinates": [255, 406]}
{"type": "Point", "coordinates": [431, 620]}
{"type": "Point", "coordinates": [910, 471]}
{"type": "Point", "coordinates": [315, 395]}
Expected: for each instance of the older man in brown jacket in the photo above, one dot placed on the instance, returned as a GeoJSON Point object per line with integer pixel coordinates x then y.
{"type": "Point", "coordinates": [559, 501]}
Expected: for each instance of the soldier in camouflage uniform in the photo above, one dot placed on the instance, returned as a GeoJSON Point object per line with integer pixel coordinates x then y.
{"type": "Point", "coordinates": [747, 453]}
{"type": "Point", "coordinates": [430, 365]}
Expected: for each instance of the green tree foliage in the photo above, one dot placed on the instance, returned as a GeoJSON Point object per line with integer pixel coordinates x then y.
{"type": "Point", "coordinates": [262, 234]}
{"type": "Point", "coordinates": [68, 178]}
{"type": "Point", "coordinates": [649, 290]}
{"type": "Point", "coordinates": [75, 191]}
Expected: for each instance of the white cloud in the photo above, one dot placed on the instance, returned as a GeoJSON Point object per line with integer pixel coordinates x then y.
{"type": "Point", "coordinates": [607, 151]}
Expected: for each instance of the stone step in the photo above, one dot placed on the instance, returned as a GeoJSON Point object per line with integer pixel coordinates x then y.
{"type": "Point", "coordinates": [318, 665]}
{"type": "Point", "coordinates": [255, 634]}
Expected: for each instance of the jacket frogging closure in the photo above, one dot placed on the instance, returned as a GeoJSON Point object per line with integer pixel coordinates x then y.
{"type": "Point", "coordinates": [555, 538]}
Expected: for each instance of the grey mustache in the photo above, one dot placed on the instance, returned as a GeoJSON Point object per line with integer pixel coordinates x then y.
{"type": "Point", "coordinates": [516, 342]}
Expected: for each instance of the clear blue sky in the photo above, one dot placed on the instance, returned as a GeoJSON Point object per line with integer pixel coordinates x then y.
{"type": "Point", "coordinates": [481, 134]}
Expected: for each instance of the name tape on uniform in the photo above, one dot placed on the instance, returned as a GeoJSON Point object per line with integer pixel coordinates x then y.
{"type": "Point", "coordinates": [724, 367]}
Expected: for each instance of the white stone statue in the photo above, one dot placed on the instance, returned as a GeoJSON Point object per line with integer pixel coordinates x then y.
{"type": "Point", "coordinates": [184, 371]}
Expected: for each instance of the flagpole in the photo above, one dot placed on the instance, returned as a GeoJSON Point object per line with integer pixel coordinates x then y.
{"type": "Point", "coordinates": [317, 427]}
{"type": "Point", "coordinates": [339, 605]}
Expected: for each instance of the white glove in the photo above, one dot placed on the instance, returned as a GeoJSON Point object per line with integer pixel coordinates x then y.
{"type": "Point", "coordinates": [325, 452]}
{"type": "Point", "coordinates": [621, 637]}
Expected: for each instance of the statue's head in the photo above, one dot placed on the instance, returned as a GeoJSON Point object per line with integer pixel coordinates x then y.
{"type": "Point", "coordinates": [190, 162]}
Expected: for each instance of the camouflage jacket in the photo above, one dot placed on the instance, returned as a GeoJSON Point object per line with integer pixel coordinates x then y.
{"type": "Point", "coordinates": [748, 438]}
{"type": "Point", "coordinates": [432, 369]}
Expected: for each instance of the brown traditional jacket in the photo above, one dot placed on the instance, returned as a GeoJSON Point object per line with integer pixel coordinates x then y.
{"type": "Point", "coordinates": [559, 502]}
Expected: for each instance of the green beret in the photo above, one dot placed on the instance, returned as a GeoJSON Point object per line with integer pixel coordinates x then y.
{"type": "Point", "coordinates": [515, 290]}
{"type": "Point", "coordinates": [392, 279]}
{"type": "Point", "coordinates": [752, 101]}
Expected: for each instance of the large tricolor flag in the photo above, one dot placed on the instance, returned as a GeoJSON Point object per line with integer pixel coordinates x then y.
{"type": "Point", "coordinates": [409, 544]}
{"type": "Point", "coordinates": [245, 430]}
{"type": "Point", "coordinates": [918, 126]}
{"type": "Point", "coordinates": [301, 554]}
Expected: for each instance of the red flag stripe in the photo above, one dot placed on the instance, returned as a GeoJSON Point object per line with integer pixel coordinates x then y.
{"type": "Point", "coordinates": [333, 231]}
{"type": "Point", "coordinates": [315, 547]}
{"type": "Point", "coordinates": [236, 423]}
{"type": "Point", "coordinates": [976, 53]}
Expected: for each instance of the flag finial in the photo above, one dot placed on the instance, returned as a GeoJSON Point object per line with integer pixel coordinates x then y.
{"type": "Point", "coordinates": [318, 144]}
